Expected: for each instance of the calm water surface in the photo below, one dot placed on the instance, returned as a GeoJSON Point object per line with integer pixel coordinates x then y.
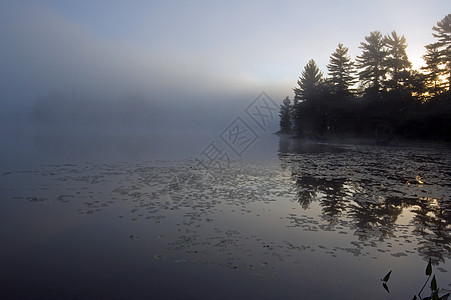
{"type": "Point", "coordinates": [305, 220]}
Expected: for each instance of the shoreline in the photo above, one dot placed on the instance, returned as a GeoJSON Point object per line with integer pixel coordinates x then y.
{"type": "Point", "coordinates": [397, 141]}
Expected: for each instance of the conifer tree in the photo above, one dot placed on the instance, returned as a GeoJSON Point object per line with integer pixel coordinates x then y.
{"type": "Point", "coordinates": [396, 62]}
{"type": "Point", "coordinates": [285, 113]}
{"type": "Point", "coordinates": [341, 70]}
{"type": "Point", "coordinates": [309, 83]}
{"type": "Point", "coordinates": [372, 62]}
{"type": "Point", "coordinates": [433, 69]}
{"type": "Point", "coordinates": [443, 34]}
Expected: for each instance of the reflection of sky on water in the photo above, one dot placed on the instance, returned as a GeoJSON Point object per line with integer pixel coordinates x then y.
{"type": "Point", "coordinates": [279, 225]}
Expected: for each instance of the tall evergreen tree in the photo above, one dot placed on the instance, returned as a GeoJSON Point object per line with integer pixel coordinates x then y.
{"type": "Point", "coordinates": [341, 70]}
{"type": "Point", "coordinates": [285, 113]}
{"type": "Point", "coordinates": [396, 61]}
{"type": "Point", "coordinates": [433, 69]}
{"type": "Point", "coordinates": [307, 99]}
{"type": "Point", "coordinates": [443, 34]}
{"type": "Point", "coordinates": [309, 83]}
{"type": "Point", "coordinates": [372, 62]}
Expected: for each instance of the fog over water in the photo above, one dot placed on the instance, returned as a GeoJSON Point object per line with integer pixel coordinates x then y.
{"type": "Point", "coordinates": [69, 95]}
{"type": "Point", "coordinates": [58, 131]}
{"type": "Point", "coordinates": [109, 110]}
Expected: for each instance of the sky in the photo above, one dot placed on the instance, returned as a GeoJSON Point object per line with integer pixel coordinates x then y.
{"type": "Point", "coordinates": [188, 52]}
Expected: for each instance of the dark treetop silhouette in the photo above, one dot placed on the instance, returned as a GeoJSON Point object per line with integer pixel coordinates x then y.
{"type": "Point", "coordinates": [386, 98]}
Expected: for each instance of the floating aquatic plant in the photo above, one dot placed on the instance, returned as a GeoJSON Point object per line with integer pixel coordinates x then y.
{"type": "Point", "coordinates": [434, 286]}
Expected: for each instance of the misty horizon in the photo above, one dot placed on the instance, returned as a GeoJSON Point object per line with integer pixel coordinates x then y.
{"type": "Point", "coordinates": [225, 149]}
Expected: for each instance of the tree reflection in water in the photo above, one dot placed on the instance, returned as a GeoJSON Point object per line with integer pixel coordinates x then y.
{"type": "Point", "coordinates": [369, 187]}
{"type": "Point", "coordinates": [432, 224]}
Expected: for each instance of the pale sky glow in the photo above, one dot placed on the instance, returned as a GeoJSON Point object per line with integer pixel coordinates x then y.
{"type": "Point", "coordinates": [174, 48]}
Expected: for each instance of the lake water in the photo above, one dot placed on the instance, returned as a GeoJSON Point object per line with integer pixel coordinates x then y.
{"type": "Point", "coordinates": [289, 220]}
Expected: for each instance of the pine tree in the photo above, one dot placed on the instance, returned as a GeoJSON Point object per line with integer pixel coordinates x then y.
{"type": "Point", "coordinates": [285, 113]}
{"type": "Point", "coordinates": [433, 69]}
{"type": "Point", "coordinates": [372, 62]}
{"type": "Point", "coordinates": [309, 83]}
{"type": "Point", "coordinates": [311, 98]}
{"type": "Point", "coordinates": [341, 70]}
{"type": "Point", "coordinates": [396, 61]}
{"type": "Point", "coordinates": [443, 33]}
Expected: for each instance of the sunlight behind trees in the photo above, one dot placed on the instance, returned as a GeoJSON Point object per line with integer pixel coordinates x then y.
{"type": "Point", "coordinates": [379, 94]}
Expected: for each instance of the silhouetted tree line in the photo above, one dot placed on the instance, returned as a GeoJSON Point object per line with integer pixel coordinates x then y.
{"type": "Point", "coordinates": [378, 94]}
